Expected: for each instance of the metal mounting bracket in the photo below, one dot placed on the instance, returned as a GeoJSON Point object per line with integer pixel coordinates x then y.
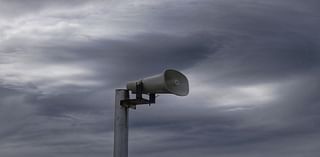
{"type": "Point", "coordinates": [139, 100]}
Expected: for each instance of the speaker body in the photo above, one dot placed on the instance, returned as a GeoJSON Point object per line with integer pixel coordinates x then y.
{"type": "Point", "coordinates": [168, 82]}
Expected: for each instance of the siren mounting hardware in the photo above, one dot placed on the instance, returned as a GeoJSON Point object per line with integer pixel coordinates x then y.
{"type": "Point", "coordinates": [139, 100]}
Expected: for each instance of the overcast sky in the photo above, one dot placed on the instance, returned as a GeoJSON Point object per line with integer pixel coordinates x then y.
{"type": "Point", "coordinates": [253, 68]}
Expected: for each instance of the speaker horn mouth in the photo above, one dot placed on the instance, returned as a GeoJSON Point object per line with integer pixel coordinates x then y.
{"type": "Point", "coordinates": [176, 82]}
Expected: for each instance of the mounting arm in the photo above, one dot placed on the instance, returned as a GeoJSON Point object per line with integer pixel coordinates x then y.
{"type": "Point", "coordinates": [139, 100]}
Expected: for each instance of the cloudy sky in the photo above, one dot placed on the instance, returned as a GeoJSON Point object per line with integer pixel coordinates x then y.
{"type": "Point", "coordinates": [253, 68]}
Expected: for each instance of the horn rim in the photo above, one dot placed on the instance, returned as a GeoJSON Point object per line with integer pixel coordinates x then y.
{"type": "Point", "coordinates": [186, 92]}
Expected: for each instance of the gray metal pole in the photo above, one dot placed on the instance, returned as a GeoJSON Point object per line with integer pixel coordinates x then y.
{"type": "Point", "coordinates": [120, 147]}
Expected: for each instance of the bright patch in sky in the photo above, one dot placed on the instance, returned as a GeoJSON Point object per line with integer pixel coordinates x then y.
{"type": "Point", "coordinates": [232, 96]}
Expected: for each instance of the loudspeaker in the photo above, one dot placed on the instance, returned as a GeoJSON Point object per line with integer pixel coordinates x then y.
{"type": "Point", "coordinates": [169, 82]}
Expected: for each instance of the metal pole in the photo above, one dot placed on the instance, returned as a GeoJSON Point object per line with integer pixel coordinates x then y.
{"type": "Point", "coordinates": [120, 147]}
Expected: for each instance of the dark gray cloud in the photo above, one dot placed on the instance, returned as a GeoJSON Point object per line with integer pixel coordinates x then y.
{"type": "Point", "coordinates": [253, 69]}
{"type": "Point", "coordinates": [127, 57]}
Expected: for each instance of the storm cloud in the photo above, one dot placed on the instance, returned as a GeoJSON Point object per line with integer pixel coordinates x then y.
{"type": "Point", "coordinates": [253, 68]}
